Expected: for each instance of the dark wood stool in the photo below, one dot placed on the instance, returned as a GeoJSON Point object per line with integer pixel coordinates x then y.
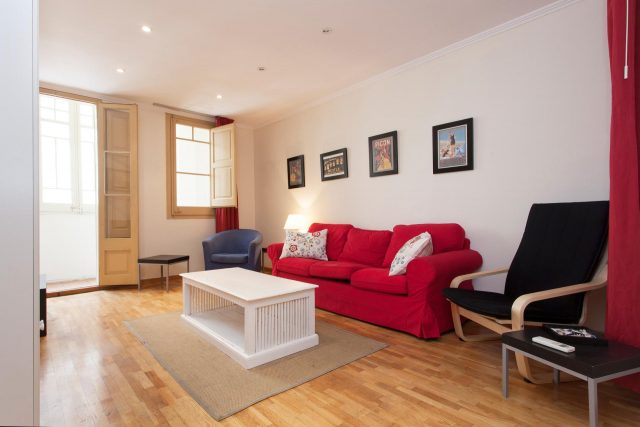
{"type": "Point", "coordinates": [162, 260]}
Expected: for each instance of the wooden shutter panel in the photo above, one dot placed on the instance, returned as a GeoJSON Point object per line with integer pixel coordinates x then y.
{"type": "Point", "coordinates": [223, 167]}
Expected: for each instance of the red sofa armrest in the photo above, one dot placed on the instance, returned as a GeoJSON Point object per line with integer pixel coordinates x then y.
{"type": "Point", "coordinates": [437, 271]}
{"type": "Point", "coordinates": [274, 251]}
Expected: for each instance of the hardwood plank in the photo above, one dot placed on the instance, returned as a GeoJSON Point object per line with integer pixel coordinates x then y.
{"type": "Point", "coordinates": [95, 372]}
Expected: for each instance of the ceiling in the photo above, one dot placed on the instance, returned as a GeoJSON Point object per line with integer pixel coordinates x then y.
{"type": "Point", "coordinates": [198, 49]}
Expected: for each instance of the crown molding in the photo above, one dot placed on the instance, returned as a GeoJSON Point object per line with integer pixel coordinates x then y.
{"type": "Point", "coordinates": [499, 29]}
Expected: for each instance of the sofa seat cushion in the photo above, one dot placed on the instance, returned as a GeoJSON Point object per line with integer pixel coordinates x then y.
{"type": "Point", "coordinates": [366, 246]}
{"type": "Point", "coordinates": [299, 266]}
{"type": "Point", "coordinates": [223, 258]}
{"type": "Point", "coordinates": [336, 237]}
{"type": "Point", "coordinates": [341, 270]}
{"type": "Point", "coordinates": [445, 238]}
{"type": "Point", "coordinates": [378, 280]}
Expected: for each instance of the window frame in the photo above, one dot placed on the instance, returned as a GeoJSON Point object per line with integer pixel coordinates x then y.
{"type": "Point", "coordinates": [77, 208]}
{"type": "Point", "coordinates": [173, 210]}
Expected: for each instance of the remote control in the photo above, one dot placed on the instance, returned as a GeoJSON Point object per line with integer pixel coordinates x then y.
{"type": "Point", "coordinates": [565, 348]}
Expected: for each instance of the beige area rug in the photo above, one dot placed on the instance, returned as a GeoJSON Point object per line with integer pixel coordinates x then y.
{"type": "Point", "coordinates": [223, 387]}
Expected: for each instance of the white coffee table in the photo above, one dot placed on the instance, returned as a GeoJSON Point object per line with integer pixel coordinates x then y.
{"type": "Point", "coordinates": [252, 317]}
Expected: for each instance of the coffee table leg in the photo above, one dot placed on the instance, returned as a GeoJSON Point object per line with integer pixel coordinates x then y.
{"type": "Point", "coordinates": [593, 402]}
{"type": "Point", "coordinates": [505, 371]}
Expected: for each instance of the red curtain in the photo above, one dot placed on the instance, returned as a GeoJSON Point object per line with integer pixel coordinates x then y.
{"type": "Point", "coordinates": [623, 291]}
{"type": "Point", "coordinates": [226, 218]}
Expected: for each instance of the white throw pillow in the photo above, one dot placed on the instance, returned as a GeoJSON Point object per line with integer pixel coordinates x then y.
{"type": "Point", "coordinates": [305, 245]}
{"type": "Point", "coordinates": [420, 245]}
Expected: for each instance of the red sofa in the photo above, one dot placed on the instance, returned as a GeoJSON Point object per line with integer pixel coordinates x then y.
{"type": "Point", "coordinates": [355, 281]}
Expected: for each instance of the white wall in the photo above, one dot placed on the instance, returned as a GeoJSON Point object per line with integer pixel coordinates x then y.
{"type": "Point", "coordinates": [158, 234]}
{"type": "Point", "coordinates": [18, 305]}
{"type": "Point", "coordinates": [540, 98]}
{"type": "Point", "coordinates": [68, 246]}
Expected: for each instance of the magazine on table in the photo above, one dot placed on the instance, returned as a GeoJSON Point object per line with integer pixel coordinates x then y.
{"type": "Point", "coordinates": [575, 334]}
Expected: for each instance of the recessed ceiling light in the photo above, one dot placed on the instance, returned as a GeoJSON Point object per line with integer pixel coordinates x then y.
{"type": "Point", "coordinates": [219, 96]}
{"type": "Point", "coordinates": [261, 68]}
{"type": "Point", "coordinates": [146, 28]}
{"type": "Point", "coordinates": [327, 30]}
{"type": "Point", "coordinates": [120, 70]}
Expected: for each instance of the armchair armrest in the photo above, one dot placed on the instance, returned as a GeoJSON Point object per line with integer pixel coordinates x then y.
{"type": "Point", "coordinates": [436, 271]}
{"type": "Point", "coordinates": [254, 251]}
{"type": "Point", "coordinates": [459, 279]}
{"type": "Point", "coordinates": [521, 303]}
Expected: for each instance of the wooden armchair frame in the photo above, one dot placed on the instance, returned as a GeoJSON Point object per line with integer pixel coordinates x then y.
{"type": "Point", "coordinates": [517, 321]}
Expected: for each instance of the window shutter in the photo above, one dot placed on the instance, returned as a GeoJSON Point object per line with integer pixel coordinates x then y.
{"type": "Point", "coordinates": [223, 167]}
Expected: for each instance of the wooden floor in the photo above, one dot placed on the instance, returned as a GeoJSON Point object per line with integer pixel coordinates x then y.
{"type": "Point", "coordinates": [60, 288]}
{"type": "Point", "coordinates": [94, 372]}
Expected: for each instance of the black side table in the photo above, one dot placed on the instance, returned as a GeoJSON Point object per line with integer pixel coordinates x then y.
{"type": "Point", "coordinates": [163, 260]}
{"type": "Point", "coordinates": [593, 364]}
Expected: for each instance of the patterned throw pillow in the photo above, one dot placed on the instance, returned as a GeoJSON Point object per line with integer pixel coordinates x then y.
{"type": "Point", "coordinates": [418, 246]}
{"type": "Point", "coordinates": [305, 245]}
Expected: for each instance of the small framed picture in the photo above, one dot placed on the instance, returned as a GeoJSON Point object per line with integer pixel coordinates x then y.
{"type": "Point", "coordinates": [334, 165]}
{"type": "Point", "coordinates": [383, 154]}
{"type": "Point", "coordinates": [295, 171]}
{"type": "Point", "coordinates": [453, 146]}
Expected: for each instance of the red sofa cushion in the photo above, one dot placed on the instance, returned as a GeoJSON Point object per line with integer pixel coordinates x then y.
{"type": "Point", "coordinates": [299, 266]}
{"type": "Point", "coordinates": [336, 237]}
{"type": "Point", "coordinates": [445, 238]}
{"type": "Point", "coordinates": [366, 246]}
{"type": "Point", "coordinates": [340, 270]}
{"type": "Point", "coordinates": [378, 280]}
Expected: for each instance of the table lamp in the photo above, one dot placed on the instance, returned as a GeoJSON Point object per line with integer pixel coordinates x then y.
{"type": "Point", "coordinates": [295, 222]}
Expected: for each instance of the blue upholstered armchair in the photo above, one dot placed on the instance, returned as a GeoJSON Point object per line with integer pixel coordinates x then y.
{"type": "Point", "coordinates": [233, 248]}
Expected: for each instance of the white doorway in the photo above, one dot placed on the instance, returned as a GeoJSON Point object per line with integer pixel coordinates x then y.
{"type": "Point", "coordinates": [68, 193]}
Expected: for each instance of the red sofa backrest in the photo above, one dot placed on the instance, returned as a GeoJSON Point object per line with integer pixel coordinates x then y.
{"type": "Point", "coordinates": [336, 237]}
{"type": "Point", "coordinates": [445, 238]}
{"type": "Point", "coordinates": [366, 246]}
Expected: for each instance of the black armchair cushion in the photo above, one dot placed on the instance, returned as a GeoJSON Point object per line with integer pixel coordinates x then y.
{"type": "Point", "coordinates": [230, 258]}
{"type": "Point", "coordinates": [561, 246]}
{"type": "Point", "coordinates": [499, 306]}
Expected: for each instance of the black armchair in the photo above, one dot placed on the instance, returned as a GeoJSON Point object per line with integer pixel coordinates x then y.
{"type": "Point", "coordinates": [559, 260]}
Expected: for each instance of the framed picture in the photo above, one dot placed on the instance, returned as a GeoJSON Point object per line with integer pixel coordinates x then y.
{"type": "Point", "coordinates": [453, 146]}
{"type": "Point", "coordinates": [383, 154]}
{"type": "Point", "coordinates": [295, 171]}
{"type": "Point", "coordinates": [333, 165]}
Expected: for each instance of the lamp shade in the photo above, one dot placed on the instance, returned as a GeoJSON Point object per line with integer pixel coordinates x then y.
{"type": "Point", "coordinates": [295, 222]}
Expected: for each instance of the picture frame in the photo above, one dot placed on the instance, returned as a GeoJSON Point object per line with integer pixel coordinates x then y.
{"type": "Point", "coordinates": [295, 171]}
{"type": "Point", "coordinates": [453, 146]}
{"type": "Point", "coordinates": [383, 154]}
{"type": "Point", "coordinates": [334, 165]}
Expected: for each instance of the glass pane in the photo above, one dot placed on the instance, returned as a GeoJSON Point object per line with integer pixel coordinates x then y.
{"type": "Point", "coordinates": [86, 121]}
{"type": "Point", "coordinates": [56, 130]}
{"type": "Point", "coordinates": [118, 217]}
{"type": "Point", "coordinates": [62, 104]}
{"type": "Point", "coordinates": [117, 130]}
{"type": "Point", "coordinates": [63, 163]}
{"type": "Point", "coordinates": [87, 134]}
{"type": "Point", "coordinates": [62, 116]}
{"type": "Point", "coordinates": [48, 162]}
{"type": "Point", "coordinates": [46, 101]}
{"type": "Point", "coordinates": [192, 190]}
{"type": "Point", "coordinates": [47, 114]}
{"type": "Point", "coordinates": [200, 134]}
{"type": "Point", "coordinates": [117, 173]}
{"type": "Point", "coordinates": [52, 195]}
{"type": "Point", "coordinates": [87, 109]}
{"type": "Point", "coordinates": [184, 132]}
{"type": "Point", "coordinates": [192, 157]}
{"type": "Point", "coordinates": [87, 166]}
{"type": "Point", "coordinates": [88, 197]}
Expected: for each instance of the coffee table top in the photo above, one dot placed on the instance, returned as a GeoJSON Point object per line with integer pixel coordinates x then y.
{"type": "Point", "coordinates": [163, 259]}
{"type": "Point", "coordinates": [246, 284]}
{"type": "Point", "coordinates": [590, 360]}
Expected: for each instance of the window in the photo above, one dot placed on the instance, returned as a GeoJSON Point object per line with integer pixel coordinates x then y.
{"type": "Point", "coordinates": [189, 167]}
{"type": "Point", "coordinates": [67, 155]}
